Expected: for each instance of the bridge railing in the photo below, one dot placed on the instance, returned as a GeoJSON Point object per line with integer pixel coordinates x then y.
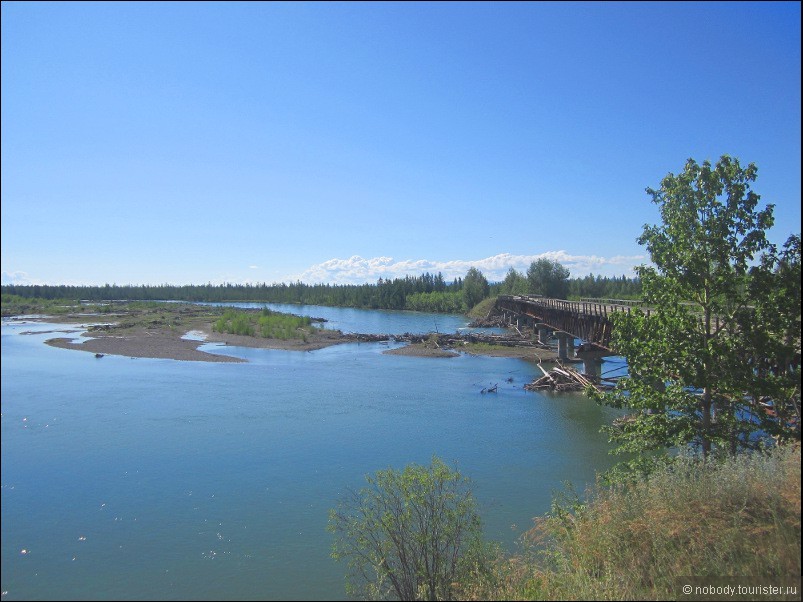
{"type": "Point", "coordinates": [601, 307]}
{"type": "Point", "coordinates": [624, 302]}
{"type": "Point", "coordinates": [595, 307]}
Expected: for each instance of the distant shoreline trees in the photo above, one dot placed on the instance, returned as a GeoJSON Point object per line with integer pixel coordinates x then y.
{"type": "Point", "coordinates": [427, 292]}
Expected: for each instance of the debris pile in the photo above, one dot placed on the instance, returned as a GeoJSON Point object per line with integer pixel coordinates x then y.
{"type": "Point", "coordinates": [439, 339]}
{"type": "Point", "coordinates": [561, 379]}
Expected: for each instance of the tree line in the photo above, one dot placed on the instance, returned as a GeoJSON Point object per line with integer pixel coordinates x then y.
{"type": "Point", "coordinates": [428, 292]}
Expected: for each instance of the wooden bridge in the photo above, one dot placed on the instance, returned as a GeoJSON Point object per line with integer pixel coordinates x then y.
{"type": "Point", "coordinates": [589, 319]}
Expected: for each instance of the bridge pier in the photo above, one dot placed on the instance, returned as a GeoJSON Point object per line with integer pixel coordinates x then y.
{"type": "Point", "coordinates": [565, 344]}
{"type": "Point", "coordinates": [592, 366]}
{"type": "Point", "coordinates": [543, 333]}
{"type": "Point", "coordinates": [592, 357]}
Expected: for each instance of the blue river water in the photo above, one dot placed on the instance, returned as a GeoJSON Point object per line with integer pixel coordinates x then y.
{"type": "Point", "coordinates": [145, 479]}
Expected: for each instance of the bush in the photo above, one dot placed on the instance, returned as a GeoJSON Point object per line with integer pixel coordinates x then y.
{"type": "Point", "coordinates": [412, 535]}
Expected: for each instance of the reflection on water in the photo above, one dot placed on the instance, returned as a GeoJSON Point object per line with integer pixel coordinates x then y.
{"type": "Point", "coordinates": [156, 479]}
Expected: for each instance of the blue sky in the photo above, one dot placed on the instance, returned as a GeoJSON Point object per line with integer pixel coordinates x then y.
{"type": "Point", "coordinates": [148, 143]}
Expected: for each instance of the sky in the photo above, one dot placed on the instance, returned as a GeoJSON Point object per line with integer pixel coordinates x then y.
{"type": "Point", "coordinates": [189, 143]}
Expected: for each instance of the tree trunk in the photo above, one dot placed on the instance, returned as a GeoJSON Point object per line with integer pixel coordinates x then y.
{"type": "Point", "coordinates": [706, 426]}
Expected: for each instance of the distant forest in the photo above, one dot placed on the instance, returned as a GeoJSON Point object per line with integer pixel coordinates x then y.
{"type": "Point", "coordinates": [427, 292]}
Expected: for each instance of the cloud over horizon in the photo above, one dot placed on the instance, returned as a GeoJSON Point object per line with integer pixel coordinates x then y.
{"type": "Point", "coordinates": [359, 270]}
{"type": "Point", "coordinates": [18, 277]}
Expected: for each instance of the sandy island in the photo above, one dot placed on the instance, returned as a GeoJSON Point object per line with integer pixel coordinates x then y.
{"type": "Point", "coordinates": [167, 344]}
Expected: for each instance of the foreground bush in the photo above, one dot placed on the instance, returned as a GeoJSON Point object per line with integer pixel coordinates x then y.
{"type": "Point", "coordinates": [410, 535]}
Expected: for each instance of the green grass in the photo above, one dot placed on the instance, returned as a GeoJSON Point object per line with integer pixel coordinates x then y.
{"type": "Point", "coordinates": [267, 324]}
{"type": "Point", "coordinates": [483, 347]}
{"type": "Point", "coordinates": [14, 305]}
{"type": "Point", "coordinates": [481, 309]}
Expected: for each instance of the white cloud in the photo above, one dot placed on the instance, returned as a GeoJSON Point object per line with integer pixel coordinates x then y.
{"type": "Point", "coordinates": [356, 269]}
{"type": "Point", "coordinates": [21, 278]}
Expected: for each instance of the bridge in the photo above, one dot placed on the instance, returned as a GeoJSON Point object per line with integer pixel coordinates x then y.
{"type": "Point", "coordinates": [587, 319]}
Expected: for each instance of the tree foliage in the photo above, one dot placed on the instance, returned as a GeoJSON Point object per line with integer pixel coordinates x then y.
{"type": "Point", "coordinates": [475, 287]}
{"type": "Point", "coordinates": [411, 535]}
{"type": "Point", "coordinates": [607, 287]}
{"type": "Point", "coordinates": [770, 333]}
{"type": "Point", "coordinates": [548, 278]}
{"type": "Point", "coordinates": [515, 283]}
{"type": "Point", "coordinates": [436, 302]}
{"type": "Point", "coordinates": [698, 361]}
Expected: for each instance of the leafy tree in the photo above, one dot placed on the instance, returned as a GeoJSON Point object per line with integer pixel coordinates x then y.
{"type": "Point", "coordinates": [770, 332]}
{"type": "Point", "coordinates": [692, 374]}
{"type": "Point", "coordinates": [548, 278]}
{"type": "Point", "coordinates": [475, 287]}
{"type": "Point", "coordinates": [412, 535]}
{"type": "Point", "coordinates": [515, 283]}
{"type": "Point", "coordinates": [436, 302]}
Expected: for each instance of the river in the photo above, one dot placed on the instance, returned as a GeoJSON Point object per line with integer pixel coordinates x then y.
{"type": "Point", "coordinates": [144, 479]}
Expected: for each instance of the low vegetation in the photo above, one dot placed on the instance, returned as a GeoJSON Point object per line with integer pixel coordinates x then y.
{"type": "Point", "coordinates": [267, 324]}
{"type": "Point", "coordinates": [15, 305]}
{"type": "Point", "coordinates": [737, 516]}
{"type": "Point", "coordinates": [483, 308]}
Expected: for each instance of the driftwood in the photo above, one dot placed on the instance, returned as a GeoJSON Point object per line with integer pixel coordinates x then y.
{"type": "Point", "coordinates": [489, 322]}
{"type": "Point", "coordinates": [440, 339]}
{"type": "Point", "coordinates": [561, 379]}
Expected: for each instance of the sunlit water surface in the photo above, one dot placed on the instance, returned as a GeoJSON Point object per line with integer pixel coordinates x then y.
{"type": "Point", "coordinates": [150, 479]}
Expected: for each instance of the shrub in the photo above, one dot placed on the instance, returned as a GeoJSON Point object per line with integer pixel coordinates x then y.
{"type": "Point", "coordinates": [412, 534]}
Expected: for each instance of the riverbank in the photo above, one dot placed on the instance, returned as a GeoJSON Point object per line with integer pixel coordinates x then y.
{"type": "Point", "coordinates": [160, 330]}
{"type": "Point", "coordinates": [166, 344]}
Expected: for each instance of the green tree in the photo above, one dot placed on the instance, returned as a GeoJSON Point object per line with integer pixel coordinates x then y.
{"type": "Point", "coordinates": [475, 287]}
{"type": "Point", "coordinates": [548, 278]}
{"type": "Point", "coordinates": [692, 376]}
{"type": "Point", "coordinates": [411, 535]}
{"type": "Point", "coordinates": [515, 283]}
{"type": "Point", "coordinates": [770, 333]}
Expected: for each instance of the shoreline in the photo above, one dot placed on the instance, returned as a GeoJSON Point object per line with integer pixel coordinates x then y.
{"type": "Point", "coordinates": [161, 343]}
{"type": "Point", "coordinates": [167, 341]}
